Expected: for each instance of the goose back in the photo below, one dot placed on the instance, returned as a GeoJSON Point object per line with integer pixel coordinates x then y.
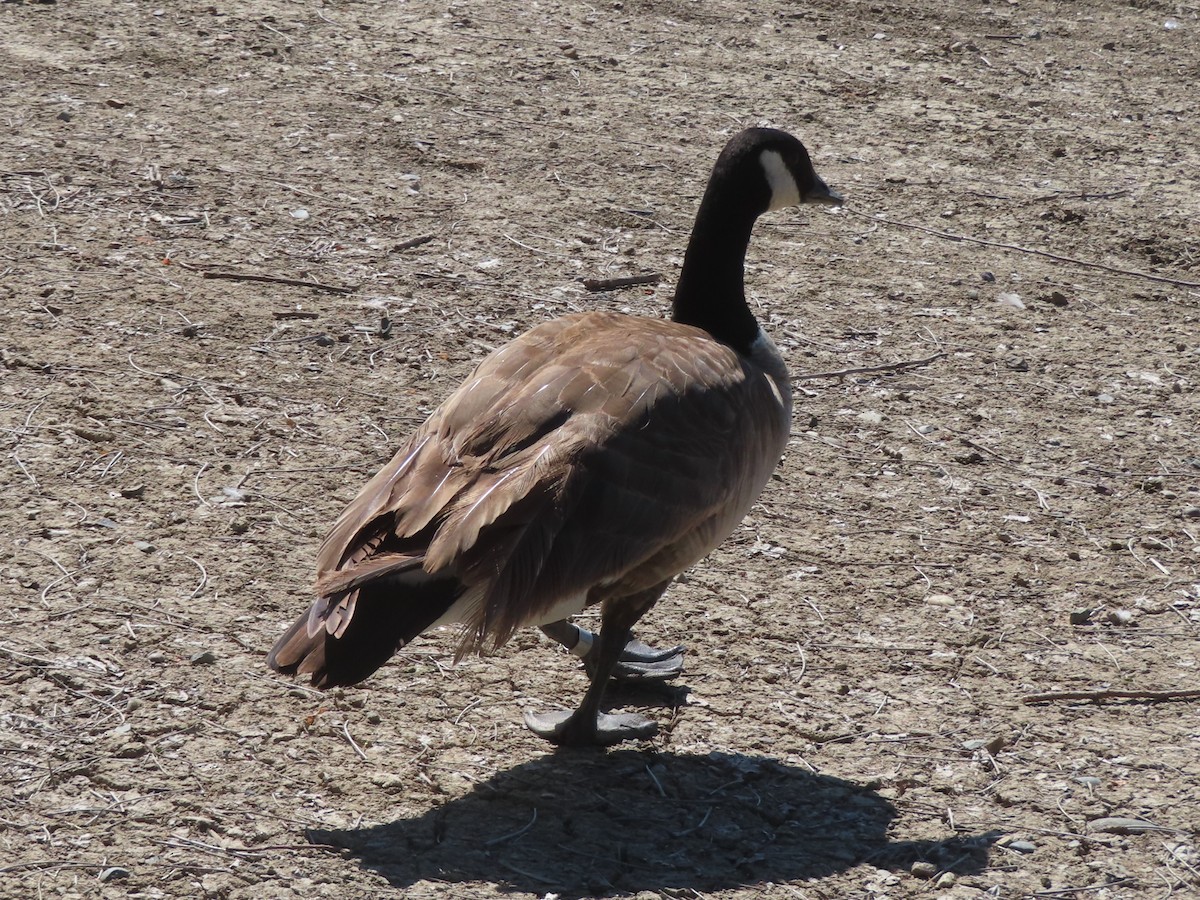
{"type": "Point", "coordinates": [598, 453]}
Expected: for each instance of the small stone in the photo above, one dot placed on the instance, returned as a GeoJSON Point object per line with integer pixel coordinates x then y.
{"type": "Point", "coordinates": [114, 103]}
{"type": "Point", "coordinates": [1082, 616]}
{"type": "Point", "coordinates": [947, 880]}
{"type": "Point", "coordinates": [157, 657]}
{"type": "Point", "coordinates": [114, 873]}
{"type": "Point", "coordinates": [133, 493]}
{"type": "Point", "coordinates": [1010, 299]}
{"type": "Point", "coordinates": [1104, 398]}
{"type": "Point", "coordinates": [923, 869]}
{"type": "Point", "coordinates": [144, 546]}
{"type": "Point", "coordinates": [387, 780]}
{"type": "Point", "coordinates": [939, 600]}
{"type": "Point", "coordinates": [1120, 616]}
{"type": "Point", "coordinates": [1191, 512]}
{"type": "Point", "coordinates": [204, 658]}
{"type": "Point", "coordinates": [1022, 846]}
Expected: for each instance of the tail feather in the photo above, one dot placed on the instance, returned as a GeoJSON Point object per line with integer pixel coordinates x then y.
{"type": "Point", "coordinates": [387, 615]}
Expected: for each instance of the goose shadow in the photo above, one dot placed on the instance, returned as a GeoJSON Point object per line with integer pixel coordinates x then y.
{"type": "Point", "coordinates": [578, 824]}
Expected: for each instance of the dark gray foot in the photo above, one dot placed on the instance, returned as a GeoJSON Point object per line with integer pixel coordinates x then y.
{"type": "Point", "coordinates": [561, 727]}
{"type": "Point", "coordinates": [637, 661]}
{"type": "Point", "coordinates": [640, 662]}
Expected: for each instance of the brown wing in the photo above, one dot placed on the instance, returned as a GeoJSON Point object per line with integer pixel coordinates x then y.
{"type": "Point", "coordinates": [596, 449]}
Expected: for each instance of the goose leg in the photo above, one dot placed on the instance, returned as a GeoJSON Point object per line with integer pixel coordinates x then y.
{"type": "Point", "coordinates": [637, 662]}
{"type": "Point", "coordinates": [588, 725]}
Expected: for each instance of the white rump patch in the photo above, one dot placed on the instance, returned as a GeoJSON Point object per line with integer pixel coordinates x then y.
{"type": "Point", "coordinates": [784, 190]}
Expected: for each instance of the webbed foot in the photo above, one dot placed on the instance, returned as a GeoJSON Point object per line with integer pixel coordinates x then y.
{"type": "Point", "coordinates": [641, 662]}
{"type": "Point", "coordinates": [566, 729]}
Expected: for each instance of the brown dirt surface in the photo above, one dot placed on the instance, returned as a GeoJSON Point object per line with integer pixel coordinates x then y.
{"type": "Point", "coordinates": [1019, 514]}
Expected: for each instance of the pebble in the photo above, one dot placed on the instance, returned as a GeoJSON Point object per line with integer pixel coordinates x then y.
{"type": "Point", "coordinates": [1022, 846]}
{"type": "Point", "coordinates": [923, 869]}
{"type": "Point", "coordinates": [114, 873]}
{"type": "Point", "coordinates": [1120, 616]}
{"type": "Point", "coordinates": [144, 546]}
{"type": "Point", "coordinates": [204, 658]}
{"type": "Point", "coordinates": [1191, 512]}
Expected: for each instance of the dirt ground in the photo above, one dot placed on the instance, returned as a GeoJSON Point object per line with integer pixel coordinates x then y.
{"type": "Point", "coordinates": [1016, 513]}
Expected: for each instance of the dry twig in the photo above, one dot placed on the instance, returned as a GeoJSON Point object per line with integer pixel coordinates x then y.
{"type": "Point", "coordinates": [414, 242]}
{"type": "Point", "coordinates": [274, 279]}
{"type": "Point", "coordinates": [597, 285]}
{"type": "Point", "coordinates": [520, 831]}
{"type": "Point", "coordinates": [882, 367]}
{"type": "Point", "coordinates": [1033, 251]}
{"type": "Point", "coordinates": [1155, 696]}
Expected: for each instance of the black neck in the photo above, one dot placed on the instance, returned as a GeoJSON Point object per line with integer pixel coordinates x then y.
{"type": "Point", "coordinates": [711, 293]}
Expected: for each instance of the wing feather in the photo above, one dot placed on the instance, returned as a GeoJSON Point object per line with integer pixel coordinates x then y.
{"type": "Point", "coordinates": [595, 449]}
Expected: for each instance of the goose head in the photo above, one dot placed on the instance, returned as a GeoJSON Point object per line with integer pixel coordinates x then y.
{"type": "Point", "coordinates": [760, 169]}
{"type": "Point", "coordinates": [770, 170]}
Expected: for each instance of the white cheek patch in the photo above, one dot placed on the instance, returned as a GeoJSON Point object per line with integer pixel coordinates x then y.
{"type": "Point", "coordinates": [784, 190]}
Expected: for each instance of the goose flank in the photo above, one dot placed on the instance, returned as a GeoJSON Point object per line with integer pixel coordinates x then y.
{"type": "Point", "coordinates": [589, 461]}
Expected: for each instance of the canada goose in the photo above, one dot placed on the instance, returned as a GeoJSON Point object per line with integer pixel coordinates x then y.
{"type": "Point", "coordinates": [591, 460]}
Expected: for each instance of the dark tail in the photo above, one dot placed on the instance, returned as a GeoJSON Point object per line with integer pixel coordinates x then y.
{"type": "Point", "coordinates": [387, 615]}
